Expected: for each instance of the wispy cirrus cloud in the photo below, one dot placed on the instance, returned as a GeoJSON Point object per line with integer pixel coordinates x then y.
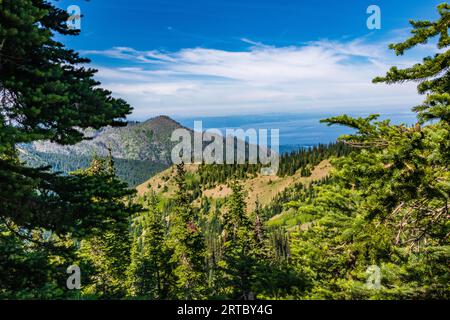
{"type": "Point", "coordinates": [130, 54]}
{"type": "Point", "coordinates": [315, 76]}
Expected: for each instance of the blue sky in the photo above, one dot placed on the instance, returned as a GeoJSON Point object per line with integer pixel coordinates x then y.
{"type": "Point", "coordinates": [231, 57]}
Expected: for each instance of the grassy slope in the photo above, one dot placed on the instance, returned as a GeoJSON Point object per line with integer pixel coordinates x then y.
{"type": "Point", "coordinates": [263, 188]}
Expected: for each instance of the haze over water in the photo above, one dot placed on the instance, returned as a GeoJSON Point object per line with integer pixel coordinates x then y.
{"type": "Point", "coordinates": [296, 130]}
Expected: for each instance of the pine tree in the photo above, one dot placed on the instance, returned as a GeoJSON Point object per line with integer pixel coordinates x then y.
{"type": "Point", "coordinates": [239, 258]}
{"type": "Point", "coordinates": [47, 94]}
{"type": "Point", "coordinates": [388, 203]}
{"type": "Point", "coordinates": [413, 173]}
{"type": "Point", "coordinates": [150, 272]}
{"type": "Point", "coordinates": [258, 225]}
{"type": "Point", "coordinates": [432, 74]}
{"type": "Point", "coordinates": [187, 243]}
{"type": "Point", "coordinates": [27, 272]}
{"type": "Point", "coordinates": [105, 256]}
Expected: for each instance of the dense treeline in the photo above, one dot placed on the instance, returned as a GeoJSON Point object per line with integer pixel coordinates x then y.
{"type": "Point", "coordinates": [384, 209]}
{"type": "Point", "coordinates": [133, 172]}
{"type": "Point", "coordinates": [304, 160]}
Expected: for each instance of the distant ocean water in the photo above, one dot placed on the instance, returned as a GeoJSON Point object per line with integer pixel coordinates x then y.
{"type": "Point", "coordinates": [296, 130]}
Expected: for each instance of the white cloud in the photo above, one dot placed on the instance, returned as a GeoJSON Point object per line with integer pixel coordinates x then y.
{"type": "Point", "coordinates": [317, 76]}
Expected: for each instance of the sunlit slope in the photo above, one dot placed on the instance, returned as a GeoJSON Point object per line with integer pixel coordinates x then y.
{"type": "Point", "coordinates": [263, 188]}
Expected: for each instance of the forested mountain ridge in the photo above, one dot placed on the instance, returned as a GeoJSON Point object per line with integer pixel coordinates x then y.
{"type": "Point", "coordinates": [149, 140]}
{"type": "Point", "coordinates": [139, 149]}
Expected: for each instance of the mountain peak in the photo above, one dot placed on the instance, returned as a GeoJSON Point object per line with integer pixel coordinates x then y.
{"type": "Point", "coordinates": [162, 120]}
